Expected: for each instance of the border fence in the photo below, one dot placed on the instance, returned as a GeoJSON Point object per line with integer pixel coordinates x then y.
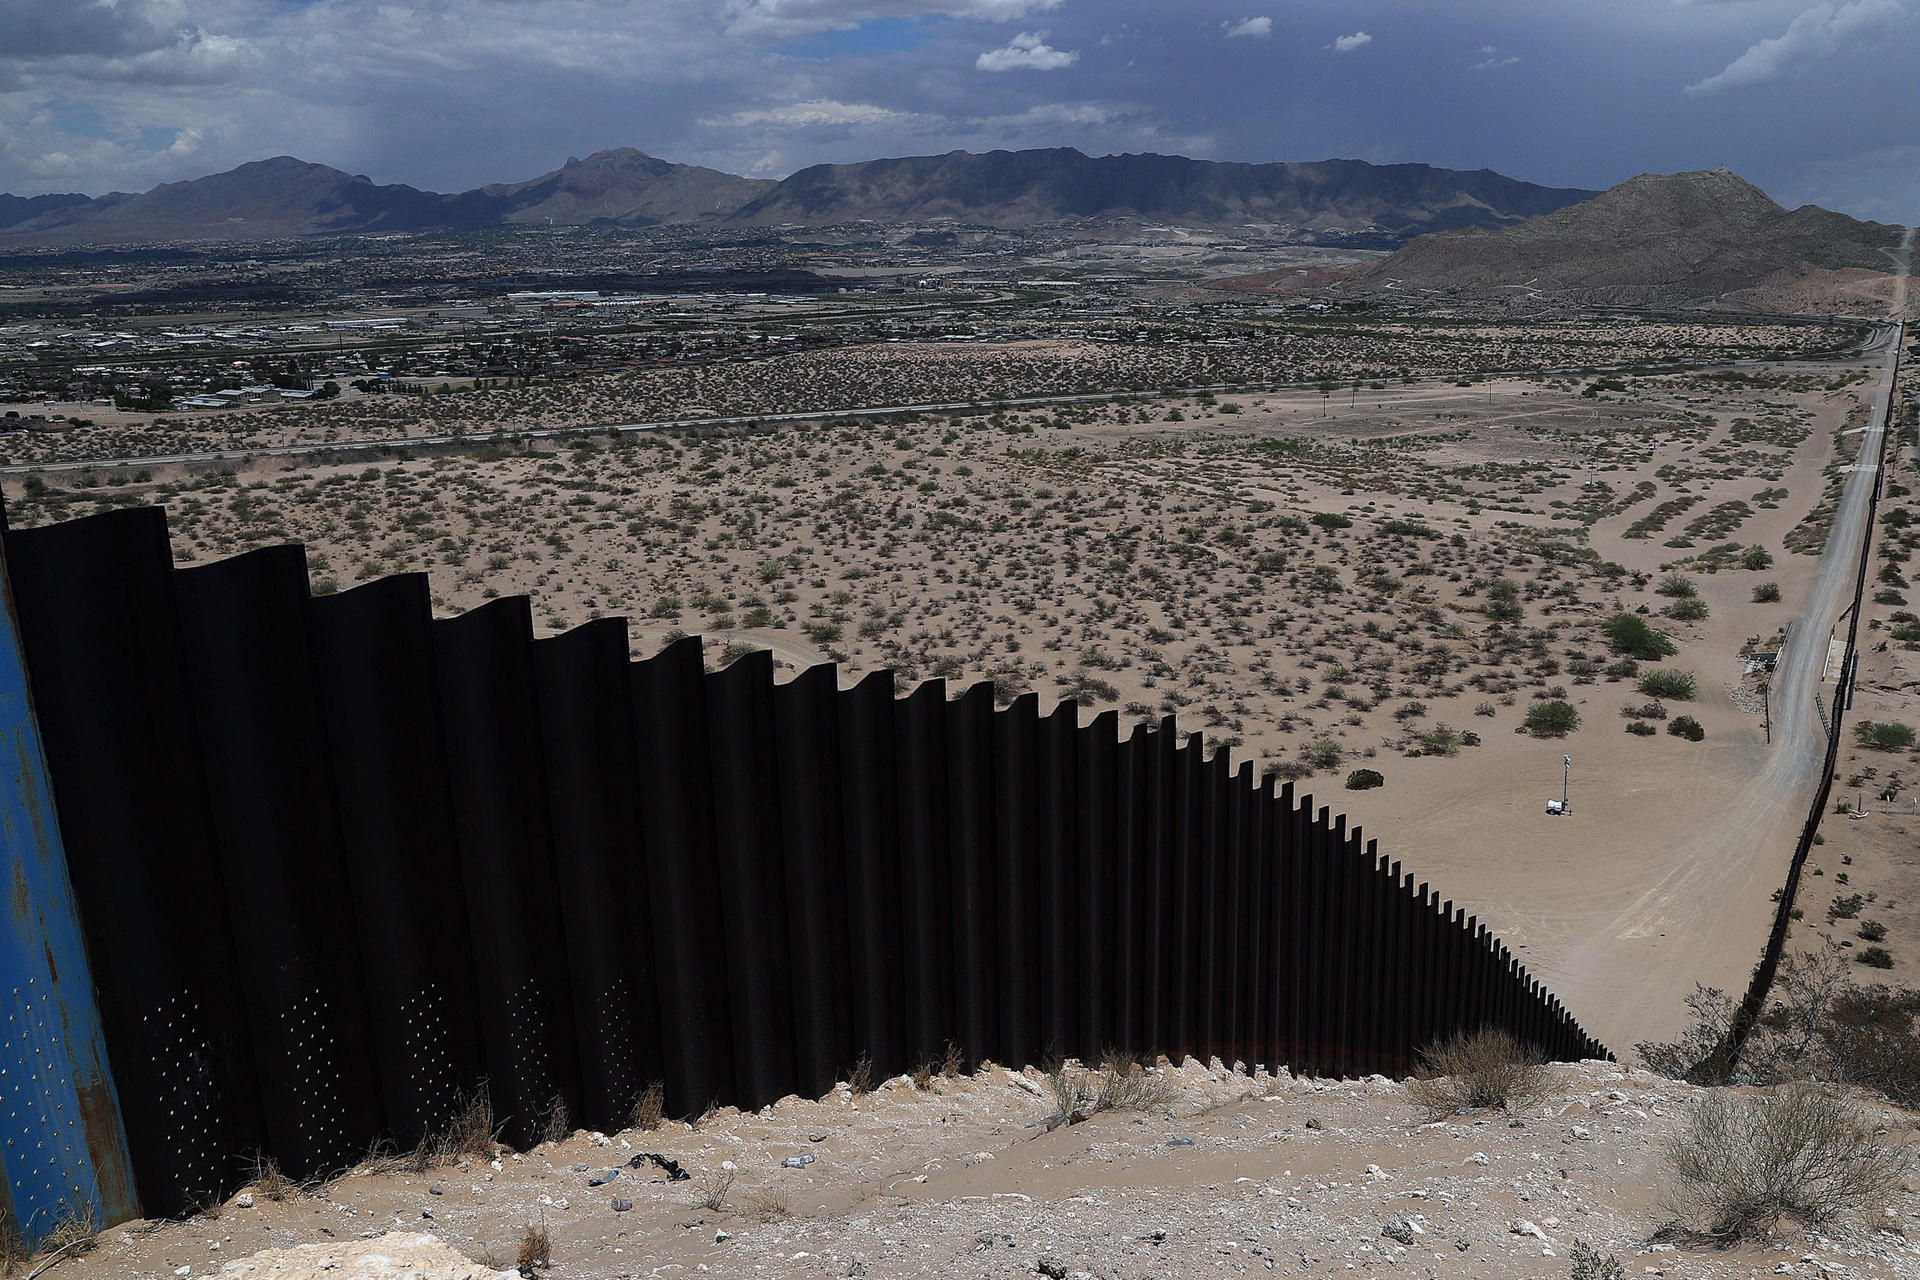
{"type": "Point", "coordinates": [339, 863]}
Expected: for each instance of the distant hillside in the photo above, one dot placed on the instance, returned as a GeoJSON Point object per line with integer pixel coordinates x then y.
{"type": "Point", "coordinates": [1024, 188]}
{"type": "Point", "coordinates": [623, 186]}
{"type": "Point", "coordinates": [284, 197]}
{"type": "Point", "coordinates": [1651, 240]}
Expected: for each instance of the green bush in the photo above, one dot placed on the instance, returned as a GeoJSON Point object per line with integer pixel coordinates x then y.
{"type": "Point", "coordinates": [1884, 735]}
{"type": "Point", "coordinates": [1365, 780]}
{"type": "Point", "coordinates": [1675, 685]}
{"type": "Point", "coordinates": [1873, 931]}
{"type": "Point", "coordinates": [1330, 520]}
{"type": "Point", "coordinates": [1641, 729]}
{"type": "Point", "coordinates": [1875, 957]}
{"type": "Point", "coordinates": [1767, 593]}
{"type": "Point", "coordinates": [1686, 727]}
{"type": "Point", "coordinates": [1677, 586]}
{"type": "Point", "coordinates": [1692, 609]}
{"type": "Point", "coordinates": [1552, 718]}
{"type": "Point", "coordinates": [1756, 558]}
{"type": "Point", "coordinates": [1630, 636]}
{"type": "Point", "coordinates": [1846, 906]}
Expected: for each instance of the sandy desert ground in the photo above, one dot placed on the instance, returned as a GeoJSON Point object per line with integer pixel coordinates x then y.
{"type": "Point", "coordinates": [1231, 1175]}
{"type": "Point", "coordinates": [1387, 578]}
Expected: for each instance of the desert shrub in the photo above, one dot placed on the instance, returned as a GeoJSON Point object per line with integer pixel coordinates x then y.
{"type": "Point", "coordinates": [1873, 931]}
{"type": "Point", "coordinates": [1686, 727]}
{"type": "Point", "coordinates": [1641, 729]}
{"type": "Point", "coordinates": [1756, 558]}
{"type": "Point", "coordinates": [1365, 780]}
{"type": "Point", "coordinates": [1467, 1071]}
{"type": "Point", "coordinates": [1330, 520]}
{"type": "Point", "coordinates": [1884, 735]}
{"type": "Point", "coordinates": [1745, 1167]}
{"type": "Point", "coordinates": [1846, 906]}
{"type": "Point", "coordinates": [1323, 753]}
{"type": "Point", "coordinates": [1625, 669]}
{"type": "Point", "coordinates": [1692, 609]}
{"type": "Point", "coordinates": [1128, 1084]}
{"type": "Point", "coordinates": [1551, 718]}
{"type": "Point", "coordinates": [714, 1190]}
{"type": "Point", "coordinates": [1767, 593]}
{"type": "Point", "coordinates": [1677, 586]}
{"type": "Point", "coordinates": [1874, 957]}
{"type": "Point", "coordinates": [1629, 635]}
{"type": "Point", "coordinates": [1440, 741]}
{"type": "Point", "coordinates": [1667, 683]}
{"type": "Point", "coordinates": [1590, 1264]}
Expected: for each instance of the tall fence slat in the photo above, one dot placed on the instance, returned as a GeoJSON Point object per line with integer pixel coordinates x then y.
{"type": "Point", "coordinates": [373, 650]}
{"type": "Point", "coordinates": [807, 714]}
{"type": "Point", "coordinates": [752, 883]}
{"type": "Point", "coordinates": [497, 775]}
{"type": "Point", "coordinates": [870, 802]}
{"type": "Point", "coordinates": [587, 741]}
{"type": "Point", "coordinates": [668, 695]}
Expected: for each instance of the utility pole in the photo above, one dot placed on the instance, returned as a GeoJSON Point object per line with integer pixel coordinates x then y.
{"type": "Point", "coordinates": [1565, 779]}
{"type": "Point", "coordinates": [1766, 708]}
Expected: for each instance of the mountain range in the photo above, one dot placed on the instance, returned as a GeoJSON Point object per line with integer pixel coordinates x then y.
{"type": "Point", "coordinates": [284, 197]}
{"type": "Point", "coordinates": [1651, 240]}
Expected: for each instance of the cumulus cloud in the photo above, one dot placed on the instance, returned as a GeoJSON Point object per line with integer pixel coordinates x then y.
{"type": "Point", "coordinates": [786, 18]}
{"type": "Point", "coordinates": [816, 113]}
{"type": "Point", "coordinates": [1491, 57]}
{"type": "Point", "coordinates": [1347, 44]}
{"type": "Point", "coordinates": [1028, 51]}
{"type": "Point", "coordinates": [1259, 28]}
{"type": "Point", "coordinates": [1817, 32]}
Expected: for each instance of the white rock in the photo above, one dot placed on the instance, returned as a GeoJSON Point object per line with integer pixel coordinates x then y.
{"type": "Point", "coordinates": [1478, 1157]}
{"type": "Point", "coordinates": [244, 1200]}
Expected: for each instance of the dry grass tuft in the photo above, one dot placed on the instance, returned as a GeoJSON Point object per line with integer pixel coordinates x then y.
{"type": "Point", "coordinates": [264, 1176]}
{"type": "Point", "coordinates": [768, 1205]}
{"type": "Point", "coordinates": [1129, 1084]}
{"type": "Point", "coordinates": [953, 1062]}
{"type": "Point", "coordinates": [649, 1107]}
{"type": "Point", "coordinates": [860, 1077]}
{"type": "Point", "coordinates": [557, 1123]}
{"type": "Point", "coordinates": [536, 1248]}
{"type": "Point", "coordinates": [1486, 1068]}
{"type": "Point", "coordinates": [1754, 1167]}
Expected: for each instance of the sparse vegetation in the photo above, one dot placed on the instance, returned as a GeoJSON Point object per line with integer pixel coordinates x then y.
{"type": "Point", "coordinates": [1473, 1070]}
{"type": "Point", "coordinates": [1754, 1166]}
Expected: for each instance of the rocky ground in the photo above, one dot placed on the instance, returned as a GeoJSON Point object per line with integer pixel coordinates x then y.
{"type": "Point", "coordinates": [1241, 1175]}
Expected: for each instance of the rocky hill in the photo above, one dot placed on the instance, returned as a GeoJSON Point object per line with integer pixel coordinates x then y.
{"type": "Point", "coordinates": [1379, 205]}
{"type": "Point", "coordinates": [624, 186]}
{"type": "Point", "coordinates": [1655, 239]}
{"type": "Point", "coordinates": [1024, 188]}
{"type": "Point", "coordinates": [285, 197]}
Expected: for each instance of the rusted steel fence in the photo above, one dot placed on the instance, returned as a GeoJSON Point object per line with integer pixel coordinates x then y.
{"type": "Point", "coordinates": [339, 862]}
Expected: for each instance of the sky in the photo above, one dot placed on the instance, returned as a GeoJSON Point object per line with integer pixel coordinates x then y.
{"type": "Point", "coordinates": [1813, 102]}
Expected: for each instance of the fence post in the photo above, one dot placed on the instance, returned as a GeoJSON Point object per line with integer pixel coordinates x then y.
{"type": "Point", "coordinates": [64, 1148]}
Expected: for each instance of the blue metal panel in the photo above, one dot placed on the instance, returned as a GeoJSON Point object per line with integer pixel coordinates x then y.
{"type": "Point", "coordinates": [61, 1139]}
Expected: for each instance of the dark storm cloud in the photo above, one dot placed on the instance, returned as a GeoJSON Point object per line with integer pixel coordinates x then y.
{"type": "Point", "coordinates": [1792, 94]}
